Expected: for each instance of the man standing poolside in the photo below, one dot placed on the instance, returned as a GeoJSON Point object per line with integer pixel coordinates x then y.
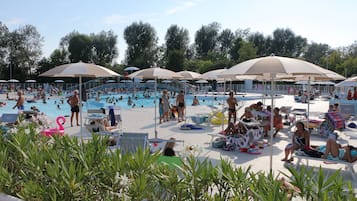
{"type": "Point", "coordinates": [74, 102]}
{"type": "Point", "coordinates": [232, 111]}
{"type": "Point", "coordinates": [20, 101]}
{"type": "Point", "coordinates": [180, 103]}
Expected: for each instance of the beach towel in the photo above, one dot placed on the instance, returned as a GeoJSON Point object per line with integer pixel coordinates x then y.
{"type": "Point", "coordinates": [112, 117]}
{"type": "Point", "coordinates": [190, 127]}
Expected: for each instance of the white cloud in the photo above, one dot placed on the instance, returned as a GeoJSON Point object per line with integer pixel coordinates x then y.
{"type": "Point", "coordinates": [14, 21]}
{"type": "Point", "coordinates": [184, 6]}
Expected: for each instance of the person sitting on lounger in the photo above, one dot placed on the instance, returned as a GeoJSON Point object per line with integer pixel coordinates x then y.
{"type": "Point", "coordinates": [169, 148]}
{"type": "Point", "coordinates": [335, 151]}
{"type": "Point", "coordinates": [300, 139]}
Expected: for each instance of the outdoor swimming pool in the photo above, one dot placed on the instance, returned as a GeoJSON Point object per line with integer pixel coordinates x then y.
{"type": "Point", "coordinates": [55, 107]}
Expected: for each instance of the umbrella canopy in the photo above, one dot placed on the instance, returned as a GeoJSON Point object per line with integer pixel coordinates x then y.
{"type": "Point", "coordinates": [201, 81]}
{"type": "Point", "coordinates": [155, 73]}
{"type": "Point", "coordinates": [189, 75]}
{"type": "Point", "coordinates": [349, 82]}
{"type": "Point", "coordinates": [59, 81]}
{"type": "Point", "coordinates": [110, 81]}
{"type": "Point", "coordinates": [3, 80]}
{"type": "Point", "coordinates": [79, 70]}
{"type": "Point", "coordinates": [131, 68]}
{"type": "Point", "coordinates": [166, 81]}
{"type": "Point", "coordinates": [13, 80]}
{"type": "Point", "coordinates": [212, 75]}
{"type": "Point", "coordinates": [276, 67]}
{"type": "Point", "coordinates": [30, 81]}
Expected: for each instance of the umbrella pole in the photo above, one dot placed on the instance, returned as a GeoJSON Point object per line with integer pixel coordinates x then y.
{"type": "Point", "coordinates": [224, 95]}
{"type": "Point", "coordinates": [80, 107]}
{"type": "Point", "coordinates": [308, 103]}
{"type": "Point", "coordinates": [185, 110]}
{"type": "Point", "coordinates": [271, 124]}
{"type": "Point", "coordinates": [155, 84]}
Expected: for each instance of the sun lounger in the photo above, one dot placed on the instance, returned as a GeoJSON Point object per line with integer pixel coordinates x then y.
{"type": "Point", "coordinates": [9, 118]}
{"type": "Point", "coordinates": [348, 166]}
{"type": "Point", "coordinates": [131, 142]}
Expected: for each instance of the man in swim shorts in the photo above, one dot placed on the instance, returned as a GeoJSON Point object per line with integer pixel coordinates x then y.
{"type": "Point", "coordinates": [73, 101]}
{"type": "Point", "coordinates": [20, 101]}
{"type": "Point", "coordinates": [180, 102]}
{"type": "Point", "coordinates": [232, 111]}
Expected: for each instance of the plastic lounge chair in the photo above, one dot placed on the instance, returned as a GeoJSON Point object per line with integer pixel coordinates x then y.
{"type": "Point", "coordinates": [130, 142]}
{"type": "Point", "coordinates": [9, 118]}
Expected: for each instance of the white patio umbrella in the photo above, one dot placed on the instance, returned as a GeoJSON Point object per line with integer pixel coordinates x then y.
{"type": "Point", "coordinates": [349, 82]}
{"type": "Point", "coordinates": [189, 75]}
{"type": "Point", "coordinates": [202, 82]}
{"type": "Point", "coordinates": [110, 81]}
{"type": "Point", "coordinates": [276, 67]}
{"type": "Point", "coordinates": [80, 70]}
{"type": "Point", "coordinates": [59, 81]}
{"type": "Point", "coordinates": [13, 80]}
{"type": "Point", "coordinates": [3, 80]}
{"type": "Point", "coordinates": [131, 68]}
{"type": "Point", "coordinates": [212, 75]}
{"type": "Point", "coordinates": [30, 81]}
{"type": "Point", "coordinates": [155, 73]}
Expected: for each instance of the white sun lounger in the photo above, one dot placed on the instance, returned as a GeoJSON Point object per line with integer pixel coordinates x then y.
{"type": "Point", "coordinates": [348, 166]}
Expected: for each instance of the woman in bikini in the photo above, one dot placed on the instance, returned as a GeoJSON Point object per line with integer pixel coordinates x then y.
{"type": "Point", "coordinates": [301, 138]}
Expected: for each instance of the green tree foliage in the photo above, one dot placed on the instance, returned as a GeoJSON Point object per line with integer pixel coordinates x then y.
{"type": "Point", "coordinates": [285, 43]}
{"type": "Point", "coordinates": [4, 33]}
{"type": "Point", "coordinates": [142, 45]}
{"type": "Point", "coordinates": [206, 39]}
{"type": "Point", "coordinates": [177, 41]}
{"type": "Point", "coordinates": [225, 40]}
{"type": "Point", "coordinates": [104, 50]}
{"type": "Point", "coordinates": [24, 51]}
{"type": "Point", "coordinates": [246, 51]}
{"type": "Point", "coordinates": [80, 48]}
{"type": "Point", "coordinates": [58, 57]}
{"type": "Point", "coordinates": [234, 51]}
{"type": "Point", "coordinates": [263, 44]}
{"type": "Point", "coordinates": [315, 53]}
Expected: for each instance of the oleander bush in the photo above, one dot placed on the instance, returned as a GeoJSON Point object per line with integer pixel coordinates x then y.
{"type": "Point", "coordinates": [33, 167]}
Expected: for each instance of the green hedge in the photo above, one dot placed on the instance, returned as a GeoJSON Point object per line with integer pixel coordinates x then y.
{"type": "Point", "coordinates": [33, 167]}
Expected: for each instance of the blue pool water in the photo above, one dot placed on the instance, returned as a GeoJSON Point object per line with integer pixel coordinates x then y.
{"type": "Point", "coordinates": [54, 107]}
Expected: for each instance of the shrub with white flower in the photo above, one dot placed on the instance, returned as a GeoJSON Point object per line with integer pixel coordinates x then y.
{"type": "Point", "coordinates": [192, 150]}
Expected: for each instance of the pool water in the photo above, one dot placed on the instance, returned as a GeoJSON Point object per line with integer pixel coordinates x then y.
{"type": "Point", "coordinates": [54, 107]}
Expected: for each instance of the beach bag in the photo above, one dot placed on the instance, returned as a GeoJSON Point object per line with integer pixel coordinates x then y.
{"type": "Point", "coordinates": [219, 143]}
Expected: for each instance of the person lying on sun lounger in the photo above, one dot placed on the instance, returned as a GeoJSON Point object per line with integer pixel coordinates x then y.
{"type": "Point", "coordinates": [335, 151]}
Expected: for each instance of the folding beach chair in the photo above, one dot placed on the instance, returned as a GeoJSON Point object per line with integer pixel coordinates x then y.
{"type": "Point", "coordinates": [131, 142]}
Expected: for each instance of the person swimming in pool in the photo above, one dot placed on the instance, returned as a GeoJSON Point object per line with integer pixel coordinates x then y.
{"type": "Point", "coordinates": [20, 101]}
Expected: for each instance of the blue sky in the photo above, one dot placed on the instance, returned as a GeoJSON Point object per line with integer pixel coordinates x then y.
{"type": "Point", "coordinates": [323, 21]}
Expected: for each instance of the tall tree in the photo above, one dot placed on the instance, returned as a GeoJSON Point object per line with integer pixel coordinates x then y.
{"type": "Point", "coordinates": [4, 67]}
{"type": "Point", "coordinates": [285, 43]}
{"type": "Point", "coordinates": [24, 51]}
{"type": "Point", "coordinates": [261, 43]}
{"type": "Point", "coordinates": [316, 53]}
{"type": "Point", "coordinates": [142, 45]}
{"type": "Point", "coordinates": [177, 41]}
{"type": "Point", "coordinates": [206, 39]}
{"type": "Point", "coordinates": [225, 40]}
{"type": "Point", "coordinates": [104, 45]}
{"type": "Point", "coordinates": [246, 51]}
{"type": "Point", "coordinates": [80, 48]}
